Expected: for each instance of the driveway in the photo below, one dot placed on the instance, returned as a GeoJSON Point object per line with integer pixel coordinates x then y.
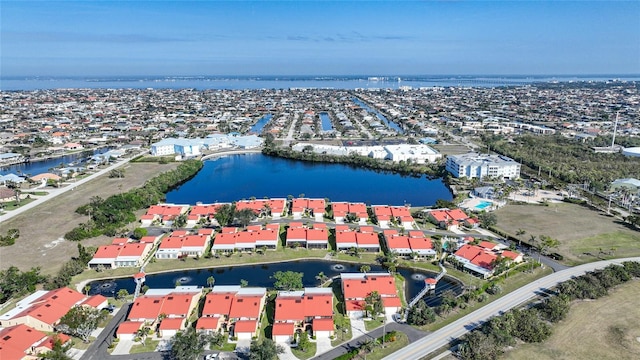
{"type": "Point", "coordinates": [287, 354]}
{"type": "Point", "coordinates": [323, 344]}
{"type": "Point", "coordinates": [123, 347]}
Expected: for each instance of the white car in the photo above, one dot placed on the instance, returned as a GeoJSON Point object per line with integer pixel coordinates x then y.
{"type": "Point", "coordinates": [210, 356]}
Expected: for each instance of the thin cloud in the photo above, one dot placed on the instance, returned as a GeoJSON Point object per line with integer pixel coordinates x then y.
{"type": "Point", "coordinates": [75, 37]}
{"type": "Point", "coordinates": [352, 37]}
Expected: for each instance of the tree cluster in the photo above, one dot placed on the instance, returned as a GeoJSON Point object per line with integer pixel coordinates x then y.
{"type": "Point", "coordinates": [107, 216]}
{"type": "Point", "coordinates": [533, 325]}
{"type": "Point", "coordinates": [569, 160]}
{"type": "Point", "coordinates": [288, 280]}
{"type": "Point", "coordinates": [14, 282]}
{"type": "Point", "coordinates": [421, 314]}
{"type": "Point", "coordinates": [402, 167]}
{"type": "Point", "coordinates": [264, 350]}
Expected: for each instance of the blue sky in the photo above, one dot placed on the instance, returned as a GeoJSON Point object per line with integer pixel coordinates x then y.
{"type": "Point", "coordinates": [318, 37]}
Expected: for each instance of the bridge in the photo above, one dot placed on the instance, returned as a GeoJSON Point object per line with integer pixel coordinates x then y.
{"type": "Point", "coordinates": [427, 287]}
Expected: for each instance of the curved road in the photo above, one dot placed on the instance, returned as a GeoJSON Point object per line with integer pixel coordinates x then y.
{"type": "Point", "coordinates": [455, 330]}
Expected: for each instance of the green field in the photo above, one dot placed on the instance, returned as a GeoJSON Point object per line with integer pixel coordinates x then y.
{"type": "Point", "coordinates": [607, 328]}
{"type": "Point", "coordinates": [585, 235]}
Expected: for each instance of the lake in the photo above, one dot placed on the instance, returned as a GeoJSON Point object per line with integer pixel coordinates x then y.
{"type": "Point", "coordinates": [260, 275]}
{"type": "Point", "coordinates": [236, 177]}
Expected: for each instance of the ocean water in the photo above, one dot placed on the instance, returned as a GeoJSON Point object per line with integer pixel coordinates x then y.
{"type": "Point", "coordinates": [283, 82]}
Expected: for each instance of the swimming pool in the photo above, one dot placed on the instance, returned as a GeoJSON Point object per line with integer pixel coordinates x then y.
{"type": "Point", "coordinates": [483, 205]}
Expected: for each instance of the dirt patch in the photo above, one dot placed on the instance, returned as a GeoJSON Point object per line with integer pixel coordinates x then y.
{"type": "Point", "coordinates": [42, 228]}
{"type": "Point", "coordinates": [601, 329]}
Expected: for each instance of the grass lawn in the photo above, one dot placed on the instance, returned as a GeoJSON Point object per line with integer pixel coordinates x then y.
{"type": "Point", "coordinates": [309, 352]}
{"type": "Point", "coordinates": [227, 346]}
{"type": "Point", "coordinates": [149, 346]}
{"type": "Point", "coordinates": [606, 328]}
{"type": "Point", "coordinates": [11, 205]}
{"type": "Point", "coordinates": [373, 324]}
{"type": "Point", "coordinates": [81, 345]}
{"type": "Point", "coordinates": [343, 334]}
{"type": "Point", "coordinates": [585, 235]}
{"type": "Point", "coordinates": [400, 288]}
{"type": "Point", "coordinates": [508, 285]}
{"type": "Point", "coordinates": [389, 347]}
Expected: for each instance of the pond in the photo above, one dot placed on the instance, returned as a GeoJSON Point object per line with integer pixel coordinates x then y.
{"type": "Point", "coordinates": [260, 275]}
{"type": "Point", "coordinates": [236, 177]}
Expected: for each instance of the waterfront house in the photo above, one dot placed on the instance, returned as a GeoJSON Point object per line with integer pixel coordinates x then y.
{"type": "Point", "coordinates": [476, 259]}
{"type": "Point", "coordinates": [160, 305]}
{"type": "Point", "coordinates": [357, 286]}
{"type": "Point", "coordinates": [448, 219]}
{"type": "Point", "coordinates": [163, 214]}
{"type": "Point", "coordinates": [235, 309]}
{"type": "Point", "coordinates": [303, 207]}
{"type": "Point", "coordinates": [397, 243]}
{"type": "Point", "coordinates": [308, 310]}
{"type": "Point", "coordinates": [342, 209]}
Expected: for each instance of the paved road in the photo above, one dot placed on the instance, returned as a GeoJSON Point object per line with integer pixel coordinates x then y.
{"type": "Point", "coordinates": [412, 333]}
{"type": "Point", "coordinates": [56, 192]}
{"type": "Point", "coordinates": [98, 349]}
{"type": "Point", "coordinates": [460, 327]}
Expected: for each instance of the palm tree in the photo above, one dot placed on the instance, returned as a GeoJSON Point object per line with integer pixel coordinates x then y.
{"type": "Point", "coordinates": [365, 268]}
{"type": "Point", "coordinates": [210, 281]}
{"type": "Point", "coordinates": [86, 289]}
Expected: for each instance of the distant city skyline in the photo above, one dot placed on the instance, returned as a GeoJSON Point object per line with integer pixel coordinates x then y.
{"type": "Point", "coordinates": [108, 38]}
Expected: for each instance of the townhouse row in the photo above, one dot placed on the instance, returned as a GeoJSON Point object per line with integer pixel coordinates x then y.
{"type": "Point", "coordinates": [238, 311]}
{"type": "Point", "coordinates": [385, 216]}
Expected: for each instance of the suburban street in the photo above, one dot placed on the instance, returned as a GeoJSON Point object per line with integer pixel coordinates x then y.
{"type": "Point", "coordinates": [455, 330]}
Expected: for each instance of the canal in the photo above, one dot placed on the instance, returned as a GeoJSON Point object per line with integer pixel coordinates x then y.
{"type": "Point", "coordinates": [390, 124]}
{"type": "Point", "coordinates": [260, 275]}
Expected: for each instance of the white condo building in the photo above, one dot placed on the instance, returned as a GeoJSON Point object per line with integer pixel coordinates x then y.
{"type": "Point", "coordinates": [474, 165]}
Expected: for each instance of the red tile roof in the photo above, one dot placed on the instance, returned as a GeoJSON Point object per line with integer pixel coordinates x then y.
{"type": "Point", "coordinates": [107, 252]}
{"type": "Point", "coordinates": [217, 304]}
{"type": "Point", "coordinates": [245, 326]}
{"type": "Point", "coordinates": [360, 288]}
{"type": "Point", "coordinates": [16, 340]}
{"type": "Point", "coordinates": [172, 324]}
{"type": "Point", "coordinates": [398, 242]}
{"type": "Point", "coordinates": [367, 239]}
{"type": "Point", "coordinates": [207, 323]}
{"type": "Point", "coordinates": [129, 327]}
{"type": "Point", "coordinates": [324, 324]}
{"type": "Point", "coordinates": [245, 307]}
{"type": "Point", "coordinates": [420, 243]}
{"type": "Point", "coordinates": [282, 328]}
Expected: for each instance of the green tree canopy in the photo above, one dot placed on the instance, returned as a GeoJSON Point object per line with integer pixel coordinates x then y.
{"type": "Point", "coordinates": [188, 344]}
{"type": "Point", "coordinates": [288, 280]}
{"type": "Point", "coordinates": [264, 350]}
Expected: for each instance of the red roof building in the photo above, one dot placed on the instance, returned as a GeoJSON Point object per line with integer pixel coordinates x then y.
{"type": "Point", "coordinates": [299, 309]}
{"type": "Point", "coordinates": [357, 286]}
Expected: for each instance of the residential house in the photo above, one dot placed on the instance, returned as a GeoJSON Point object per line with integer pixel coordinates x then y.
{"type": "Point", "coordinates": [159, 305]}
{"type": "Point", "coordinates": [43, 310]}
{"type": "Point", "coordinates": [342, 209]}
{"type": "Point", "coordinates": [308, 310]}
{"type": "Point", "coordinates": [308, 208]}
{"type": "Point", "coordinates": [357, 286]}
{"type": "Point", "coordinates": [235, 309]}
{"type": "Point", "coordinates": [21, 342]}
